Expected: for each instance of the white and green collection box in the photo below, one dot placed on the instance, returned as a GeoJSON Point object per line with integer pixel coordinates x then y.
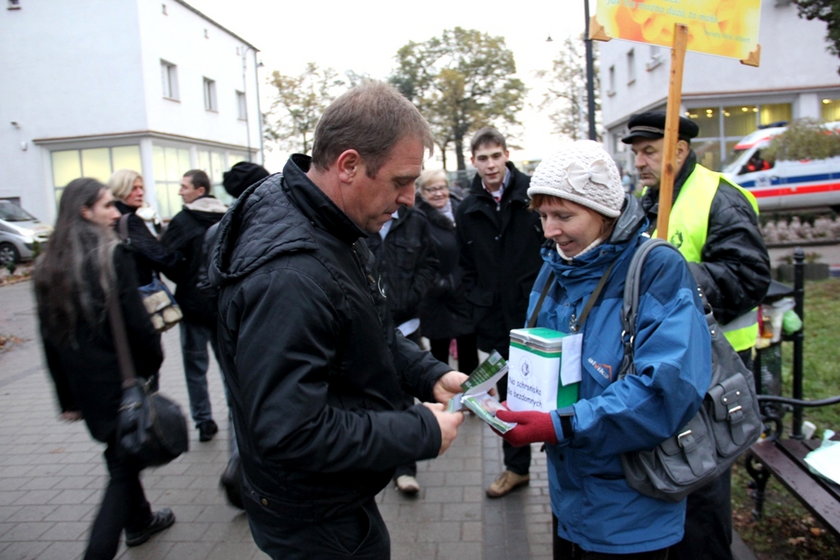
{"type": "Point", "coordinates": [534, 377]}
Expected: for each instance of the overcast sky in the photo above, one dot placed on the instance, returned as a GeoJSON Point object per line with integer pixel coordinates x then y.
{"type": "Point", "coordinates": [364, 36]}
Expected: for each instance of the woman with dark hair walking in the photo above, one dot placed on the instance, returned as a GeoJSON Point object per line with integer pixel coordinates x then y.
{"type": "Point", "coordinates": [82, 270]}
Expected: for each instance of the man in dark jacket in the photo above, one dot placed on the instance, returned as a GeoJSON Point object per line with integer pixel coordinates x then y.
{"type": "Point", "coordinates": [313, 361]}
{"type": "Point", "coordinates": [185, 234]}
{"type": "Point", "coordinates": [499, 239]}
{"type": "Point", "coordinates": [714, 224]}
{"type": "Point", "coordinates": [406, 263]}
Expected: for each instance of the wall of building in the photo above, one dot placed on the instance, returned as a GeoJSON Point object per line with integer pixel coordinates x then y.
{"type": "Point", "coordinates": [83, 79]}
{"type": "Point", "coordinates": [795, 69]}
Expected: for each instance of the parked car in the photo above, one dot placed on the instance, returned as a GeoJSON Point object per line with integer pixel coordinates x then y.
{"type": "Point", "coordinates": [21, 234]}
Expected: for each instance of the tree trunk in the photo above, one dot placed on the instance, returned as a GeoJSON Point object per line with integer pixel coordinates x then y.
{"type": "Point", "coordinates": [462, 163]}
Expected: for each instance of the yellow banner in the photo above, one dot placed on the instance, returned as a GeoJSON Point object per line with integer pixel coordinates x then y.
{"type": "Point", "coordinates": [721, 27]}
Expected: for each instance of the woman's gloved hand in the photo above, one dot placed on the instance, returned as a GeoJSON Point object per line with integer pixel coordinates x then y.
{"type": "Point", "coordinates": [532, 426]}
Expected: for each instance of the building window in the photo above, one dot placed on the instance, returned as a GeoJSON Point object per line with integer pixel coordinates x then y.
{"type": "Point", "coordinates": [170, 164]}
{"type": "Point", "coordinates": [611, 81]}
{"type": "Point", "coordinates": [14, 5]}
{"type": "Point", "coordinates": [830, 109]}
{"type": "Point", "coordinates": [631, 67]}
{"type": "Point", "coordinates": [241, 106]}
{"type": "Point", "coordinates": [169, 79]}
{"type": "Point", "coordinates": [210, 95]}
{"type": "Point", "coordinates": [655, 58]}
{"type": "Point", "coordinates": [98, 163]}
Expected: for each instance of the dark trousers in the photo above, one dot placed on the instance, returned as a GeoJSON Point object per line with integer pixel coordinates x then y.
{"type": "Point", "coordinates": [123, 506]}
{"type": "Point", "coordinates": [517, 459]}
{"type": "Point", "coordinates": [467, 351]}
{"type": "Point", "coordinates": [359, 534]}
{"type": "Point", "coordinates": [567, 550]}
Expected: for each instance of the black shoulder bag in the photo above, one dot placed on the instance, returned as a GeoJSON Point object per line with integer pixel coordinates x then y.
{"type": "Point", "coordinates": [728, 422]}
{"type": "Point", "coordinates": [151, 428]}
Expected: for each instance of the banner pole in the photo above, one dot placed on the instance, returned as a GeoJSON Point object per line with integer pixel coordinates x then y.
{"type": "Point", "coordinates": [672, 122]}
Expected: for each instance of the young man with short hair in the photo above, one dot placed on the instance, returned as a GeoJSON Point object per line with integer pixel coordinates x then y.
{"type": "Point", "coordinates": [499, 239]}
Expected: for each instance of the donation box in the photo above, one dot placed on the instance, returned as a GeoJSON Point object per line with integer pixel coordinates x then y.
{"type": "Point", "coordinates": [535, 381]}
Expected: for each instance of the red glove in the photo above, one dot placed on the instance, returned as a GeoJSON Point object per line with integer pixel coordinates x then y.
{"type": "Point", "coordinates": [532, 426]}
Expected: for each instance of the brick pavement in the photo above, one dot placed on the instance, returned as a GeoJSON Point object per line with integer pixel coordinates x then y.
{"type": "Point", "coordinates": [52, 476]}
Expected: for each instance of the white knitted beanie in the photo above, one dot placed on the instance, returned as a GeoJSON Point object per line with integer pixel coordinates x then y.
{"type": "Point", "coordinates": [582, 172]}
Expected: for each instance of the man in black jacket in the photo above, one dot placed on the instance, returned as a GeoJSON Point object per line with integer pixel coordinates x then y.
{"type": "Point", "coordinates": [185, 234]}
{"type": "Point", "coordinates": [311, 356]}
{"type": "Point", "coordinates": [714, 224]}
{"type": "Point", "coordinates": [499, 239]}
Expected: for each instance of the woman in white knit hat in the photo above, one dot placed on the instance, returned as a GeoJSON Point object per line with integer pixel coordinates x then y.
{"type": "Point", "coordinates": [595, 230]}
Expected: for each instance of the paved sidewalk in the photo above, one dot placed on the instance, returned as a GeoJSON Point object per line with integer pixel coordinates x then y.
{"type": "Point", "coordinates": [52, 475]}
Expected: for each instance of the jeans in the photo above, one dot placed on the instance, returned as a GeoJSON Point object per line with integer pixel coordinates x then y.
{"type": "Point", "coordinates": [359, 534]}
{"type": "Point", "coordinates": [194, 339]}
{"type": "Point", "coordinates": [123, 506]}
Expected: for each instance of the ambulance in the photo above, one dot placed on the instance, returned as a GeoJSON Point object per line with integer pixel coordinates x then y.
{"type": "Point", "coordinates": [784, 185]}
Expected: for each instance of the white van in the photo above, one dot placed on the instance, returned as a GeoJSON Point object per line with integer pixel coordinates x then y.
{"type": "Point", "coordinates": [784, 185]}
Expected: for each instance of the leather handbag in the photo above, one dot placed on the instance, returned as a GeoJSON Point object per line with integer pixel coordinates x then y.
{"type": "Point", "coordinates": [726, 425]}
{"type": "Point", "coordinates": [164, 311]}
{"type": "Point", "coordinates": [151, 428]}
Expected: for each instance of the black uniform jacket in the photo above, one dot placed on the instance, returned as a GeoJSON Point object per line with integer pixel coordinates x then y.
{"type": "Point", "coordinates": [734, 272]}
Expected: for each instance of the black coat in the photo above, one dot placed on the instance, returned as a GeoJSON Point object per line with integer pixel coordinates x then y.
{"type": "Point", "coordinates": [406, 262]}
{"type": "Point", "coordinates": [734, 271]}
{"type": "Point", "coordinates": [314, 365]}
{"type": "Point", "coordinates": [149, 255]}
{"type": "Point", "coordinates": [185, 236]}
{"type": "Point", "coordinates": [86, 374]}
{"type": "Point", "coordinates": [500, 256]}
{"type": "Point", "coordinates": [444, 312]}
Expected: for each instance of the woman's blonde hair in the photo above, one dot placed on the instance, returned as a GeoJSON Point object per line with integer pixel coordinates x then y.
{"type": "Point", "coordinates": [121, 183]}
{"type": "Point", "coordinates": [430, 175]}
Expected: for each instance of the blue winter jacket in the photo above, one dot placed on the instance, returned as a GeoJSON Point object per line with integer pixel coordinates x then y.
{"type": "Point", "coordinates": [589, 496]}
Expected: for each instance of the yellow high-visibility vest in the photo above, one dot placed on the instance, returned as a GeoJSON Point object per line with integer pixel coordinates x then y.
{"type": "Point", "coordinates": [688, 227]}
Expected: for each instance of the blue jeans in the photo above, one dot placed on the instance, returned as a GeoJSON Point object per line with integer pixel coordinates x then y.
{"type": "Point", "coordinates": [194, 339]}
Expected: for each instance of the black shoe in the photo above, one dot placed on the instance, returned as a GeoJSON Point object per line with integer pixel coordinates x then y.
{"type": "Point", "coordinates": [231, 482]}
{"type": "Point", "coordinates": [206, 430]}
{"type": "Point", "coordinates": [161, 519]}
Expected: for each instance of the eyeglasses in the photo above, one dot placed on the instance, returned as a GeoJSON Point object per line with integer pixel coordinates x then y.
{"type": "Point", "coordinates": [433, 190]}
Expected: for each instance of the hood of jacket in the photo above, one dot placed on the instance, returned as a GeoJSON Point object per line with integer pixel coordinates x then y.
{"type": "Point", "coordinates": [206, 210]}
{"type": "Point", "coordinates": [275, 216]}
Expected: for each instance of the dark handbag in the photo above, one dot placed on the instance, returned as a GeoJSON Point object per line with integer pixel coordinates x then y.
{"type": "Point", "coordinates": [151, 428]}
{"type": "Point", "coordinates": [726, 425]}
{"type": "Point", "coordinates": [158, 300]}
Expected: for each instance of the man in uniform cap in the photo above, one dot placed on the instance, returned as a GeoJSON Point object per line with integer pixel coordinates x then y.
{"type": "Point", "coordinates": [714, 223]}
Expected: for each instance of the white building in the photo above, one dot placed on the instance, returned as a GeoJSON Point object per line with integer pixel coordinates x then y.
{"type": "Point", "coordinates": [92, 86]}
{"type": "Point", "coordinates": [797, 78]}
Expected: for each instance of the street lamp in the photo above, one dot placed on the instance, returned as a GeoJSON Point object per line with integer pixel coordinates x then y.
{"type": "Point", "coordinates": [590, 78]}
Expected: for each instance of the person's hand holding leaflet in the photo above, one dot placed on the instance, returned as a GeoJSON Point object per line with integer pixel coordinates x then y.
{"type": "Point", "coordinates": [531, 427]}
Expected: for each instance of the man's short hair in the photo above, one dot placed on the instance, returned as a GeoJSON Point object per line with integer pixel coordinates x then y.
{"type": "Point", "coordinates": [370, 118]}
{"type": "Point", "coordinates": [487, 135]}
{"type": "Point", "coordinates": [199, 179]}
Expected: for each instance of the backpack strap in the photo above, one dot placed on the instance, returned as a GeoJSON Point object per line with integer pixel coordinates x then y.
{"type": "Point", "coordinates": [122, 229]}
